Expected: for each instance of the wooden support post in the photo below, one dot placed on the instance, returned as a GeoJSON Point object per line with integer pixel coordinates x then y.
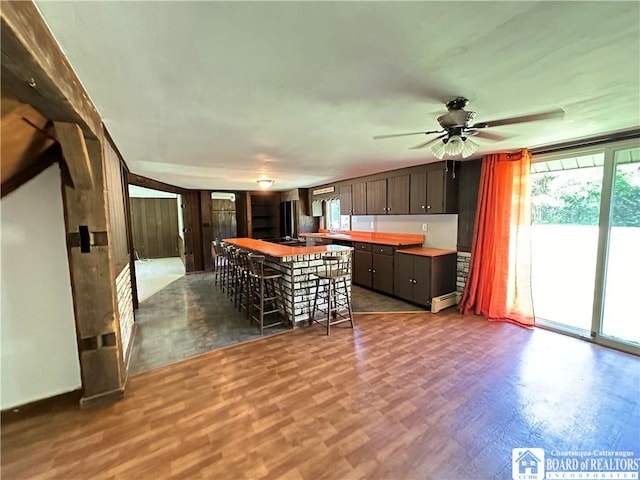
{"type": "Point", "coordinates": [94, 290]}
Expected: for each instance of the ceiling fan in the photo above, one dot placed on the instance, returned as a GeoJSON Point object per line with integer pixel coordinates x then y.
{"type": "Point", "coordinates": [457, 126]}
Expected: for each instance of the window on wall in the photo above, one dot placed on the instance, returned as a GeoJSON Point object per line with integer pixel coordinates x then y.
{"type": "Point", "coordinates": [332, 214]}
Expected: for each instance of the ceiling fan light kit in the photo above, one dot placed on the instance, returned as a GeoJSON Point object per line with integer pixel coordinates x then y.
{"type": "Point", "coordinates": [457, 126]}
{"type": "Point", "coordinates": [454, 145]}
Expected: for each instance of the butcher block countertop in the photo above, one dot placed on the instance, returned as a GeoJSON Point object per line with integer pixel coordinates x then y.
{"type": "Point", "coordinates": [382, 238]}
{"type": "Point", "coordinates": [426, 252]}
{"type": "Point", "coordinates": [280, 251]}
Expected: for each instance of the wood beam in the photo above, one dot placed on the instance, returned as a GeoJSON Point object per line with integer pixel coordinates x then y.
{"type": "Point", "coordinates": [42, 162]}
{"type": "Point", "coordinates": [35, 71]}
{"type": "Point", "coordinates": [25, 136]}
{"type": "Point", "coordinates": [146, 182]}
{"type": "Point", "coordinates": [75, 154]}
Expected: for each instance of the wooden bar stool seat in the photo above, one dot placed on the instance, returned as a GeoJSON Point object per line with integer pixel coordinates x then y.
{"type": "Point", "coordinates": [266, 293]}
{"type": "Point", "coordinates": [332, 290]}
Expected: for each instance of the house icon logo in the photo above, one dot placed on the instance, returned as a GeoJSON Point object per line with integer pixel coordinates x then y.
{"type": "Point", "coordinates": [527, 464]}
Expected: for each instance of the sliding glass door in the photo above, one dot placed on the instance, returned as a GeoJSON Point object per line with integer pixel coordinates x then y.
{"type": "Point", "coordinates": [621, 315]}
{"type": "Point", "coordinates": [585, 243]}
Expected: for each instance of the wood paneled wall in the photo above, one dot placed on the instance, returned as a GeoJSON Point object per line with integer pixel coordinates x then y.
{"type": "Point", "coordinates": [155, 227]}
{"type": "Point", "coordinates": [116, 202]}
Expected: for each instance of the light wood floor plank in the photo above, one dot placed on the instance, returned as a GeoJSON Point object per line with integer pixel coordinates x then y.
{"type": "Point", "coordinates": [400, 396]}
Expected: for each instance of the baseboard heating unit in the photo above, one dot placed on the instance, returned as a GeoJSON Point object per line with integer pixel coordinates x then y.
{"type": "Point", "coordinates": [443, 301]}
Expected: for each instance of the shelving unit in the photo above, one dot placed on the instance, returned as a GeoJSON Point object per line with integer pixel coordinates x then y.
{"type": "Point", "coordinates": [265, 222]}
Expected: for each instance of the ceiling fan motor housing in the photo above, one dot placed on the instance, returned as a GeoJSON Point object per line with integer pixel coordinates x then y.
{"type": "Point", "coordinates": [456, 118]}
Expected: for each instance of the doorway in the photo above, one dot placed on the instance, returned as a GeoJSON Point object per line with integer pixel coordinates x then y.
{"type": "Point", "coordinates": [585, 233]}
{"type": "Point", "coordinates": [158, 240]}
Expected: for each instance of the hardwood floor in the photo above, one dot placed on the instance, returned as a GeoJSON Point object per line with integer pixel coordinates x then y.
{"type": "Point", "coordinates": [400, 396]}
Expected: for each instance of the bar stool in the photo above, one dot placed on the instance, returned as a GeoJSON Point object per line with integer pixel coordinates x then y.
{"type": "Point", "coordinates": [336, 269]}
{"type": "Point", "coordinates": [243, 290]}
{"type": "Point", "coordinates": [266, 293]}
{"type": "Point", "coordinates": [218, 261]}
{"type": "Point", "coordinates": [232, 280]}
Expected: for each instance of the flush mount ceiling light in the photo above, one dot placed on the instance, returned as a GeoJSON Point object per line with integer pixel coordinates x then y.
{"type": "Point", "coordinates": [454, 145]}
{"type": "Point", "coordinates": [265, 183]}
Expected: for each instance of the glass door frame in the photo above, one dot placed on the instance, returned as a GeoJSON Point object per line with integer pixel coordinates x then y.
{"type": "Point", "coordinates": [604, 226]}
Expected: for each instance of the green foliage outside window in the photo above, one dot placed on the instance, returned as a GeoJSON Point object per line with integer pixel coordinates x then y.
{"type": "Point", "coordinates": [576, 202]}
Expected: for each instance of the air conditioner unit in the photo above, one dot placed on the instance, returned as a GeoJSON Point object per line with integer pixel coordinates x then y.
{"type": "Point", "coordinates": [443, 301]}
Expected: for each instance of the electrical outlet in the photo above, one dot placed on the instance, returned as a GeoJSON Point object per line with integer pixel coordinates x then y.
{"type": "Point", "coordinates": [424, 227]}
{"type": "Point", "coordinates": [354, 219]}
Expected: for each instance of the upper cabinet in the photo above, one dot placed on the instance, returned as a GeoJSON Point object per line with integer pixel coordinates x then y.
{"type": "Point", "coordinates": [425, 189]}
{"type": "Point", "coordinates": [346, 204]}
{"type": "Point", "coordinates": [359, 198]}
{"type": "Point", "coordinates": [434, 190]}
{"type": "Point", "coordinates": [388, 196]}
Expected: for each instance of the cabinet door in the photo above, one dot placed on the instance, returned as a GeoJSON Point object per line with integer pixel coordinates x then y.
{"type": "Point", "coordinates": [469, 176]}
{"type": "Point", "coordinates": [398, 195]}
{"type": "Point", "coordinates": [362, 266]}
{"type": "Point", "coordinates": [383, 273]}
{"type": "Point", "coordinates": [377, 197]}
{"type": "Point", "coordinates": [403, 276]}
{"type": "Point", "coordinates": [346, 207]}
{"type": "Point", "coordinates": [443, 274]}
{"type": "Point", "coordinates": [418, 193]}
{"type": "Point", "coordinates": [435, 191]}
{"type": "Point", "coordinates": [359, 198]}
{"type": "Point", "coordinates": [422, 276]}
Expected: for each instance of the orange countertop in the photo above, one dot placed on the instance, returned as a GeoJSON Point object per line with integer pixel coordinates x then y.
{"type": "Point", "coordinates": [382, 238]}
{"type": "Point", "coordinates": [280, 251]}
{"type": "Point", "coordinates": [426, 252]}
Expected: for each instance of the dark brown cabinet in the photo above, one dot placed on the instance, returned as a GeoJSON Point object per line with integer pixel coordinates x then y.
{"type": "Point", "coordinates": [346, 203]}
{"type": "Point", "coordinates": [419, 278]}
{"type": "Point", "coordinates": [388, 196]}
{"type": "Point", "coordinates": [377, 197]}
{"type": "Point", "coordinates": [373, 267]}
{"type": "Point", "coordinates": [359, 198]}
{"type": "Point", "coordinates": [434, 190]}
{"type": "Point", "coordinates": [468, 202]}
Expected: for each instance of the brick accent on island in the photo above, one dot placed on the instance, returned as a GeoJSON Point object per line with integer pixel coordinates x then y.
{"type": "Point", "coordinates": [464, 260]}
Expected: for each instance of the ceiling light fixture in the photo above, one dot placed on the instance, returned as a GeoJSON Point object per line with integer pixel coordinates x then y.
{"type": "Point", "coordinates": [454, 145]}
{"type": "Point", "coordinates": [265, 183]}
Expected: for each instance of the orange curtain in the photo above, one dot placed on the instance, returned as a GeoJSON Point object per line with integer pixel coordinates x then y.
{"type": "Point", "coordinates": [499, 283]}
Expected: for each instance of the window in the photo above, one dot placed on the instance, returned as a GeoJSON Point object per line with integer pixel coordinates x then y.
{"type": "Point", "coordinates": [332, 215]}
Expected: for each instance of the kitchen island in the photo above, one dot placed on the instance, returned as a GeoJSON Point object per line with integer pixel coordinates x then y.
{"type": "Point", "coordinates": [298, 266]}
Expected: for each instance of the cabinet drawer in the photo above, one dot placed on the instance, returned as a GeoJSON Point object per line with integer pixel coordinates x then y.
{"type": "Point", "coordinates": [365, 247]}
{"type": "Point", "coordinates": [383, 249]}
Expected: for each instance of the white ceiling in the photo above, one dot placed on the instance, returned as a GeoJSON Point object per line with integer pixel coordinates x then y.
{"type": "Point", "coordinates": [215, 95]}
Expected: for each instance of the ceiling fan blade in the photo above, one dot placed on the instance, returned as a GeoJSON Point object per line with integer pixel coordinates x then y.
{"type": "Point", "coordinates": [488, 135]}
{"type": "Point", "coordinates": [429, 143]}
{"type": "Point", "coordinates": [379, 137]}
{"type": "Point", "coordinates": [551, 114]}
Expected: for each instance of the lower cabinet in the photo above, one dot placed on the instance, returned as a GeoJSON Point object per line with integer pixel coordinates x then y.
{"type": "Point", "coordinates": [419, 278]}
{"type": "Point", "coordinates": [373, 266]}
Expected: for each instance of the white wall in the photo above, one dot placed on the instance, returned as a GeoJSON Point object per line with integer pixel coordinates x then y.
{"type": "Point", "coordinates": [141, 192]}
{"type": "Point", "coordinates": [442, 230]}
{"type": "Point", "coordinates": [39, 353]}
